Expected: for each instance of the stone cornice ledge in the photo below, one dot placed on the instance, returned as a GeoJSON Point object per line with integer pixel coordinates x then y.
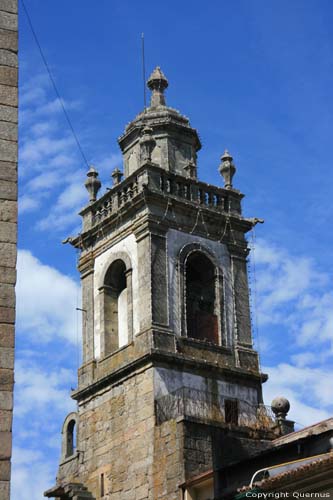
{"type": "Point", "coordinates": [155, 357]}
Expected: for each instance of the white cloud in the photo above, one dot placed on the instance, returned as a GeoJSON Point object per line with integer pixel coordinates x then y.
{"type": "Point", "coordinates": [295, 303]}
{"type": "Point", "coordinates": [27, 204]}
{"type": "Point", "coordinates": [46, 300]}
{"type": "Point", "coordinates": [39, 390]}
{"type": "Point", "coordinates": [33, 150]}
{"type": "Point", "coordinates": [293, 293]}
{"type": "Point", "coordinates": [309, 391]}
{"type": "Point", "coordinates": [42, 402]}
{"type": "Point", "coordinates": [74, 195]}
{"type": "Point", "coordinates": [52, 170]}
{"type": "Point", "coordinates": [31, 478]}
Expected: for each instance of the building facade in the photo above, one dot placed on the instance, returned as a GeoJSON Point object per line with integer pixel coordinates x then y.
{"type": "Point", "coordinates": [170, 385]}
{"type": "Point", "coordinates": [8, 228]}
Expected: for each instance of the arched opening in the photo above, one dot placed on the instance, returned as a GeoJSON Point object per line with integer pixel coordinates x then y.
{"type": "Point", "coordinates": [200, 297]}
{"type": "Point", "coordinates": [115, 307]}
{"type": "Point", "coordinates": [70, 438]}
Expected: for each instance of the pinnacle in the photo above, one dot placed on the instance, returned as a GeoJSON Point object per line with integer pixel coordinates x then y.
{"type": "Point", "coordinates": [157, 80]}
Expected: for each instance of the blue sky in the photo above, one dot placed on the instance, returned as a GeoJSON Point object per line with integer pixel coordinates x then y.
{"type": "Point", "coordinates": [254, 77]}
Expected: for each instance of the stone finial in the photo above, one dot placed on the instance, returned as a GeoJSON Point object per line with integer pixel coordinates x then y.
{"type": "Point", "coordinates": [116, 176]}
{"type": "Point", "coordinates": [147, 144]}
{"type": "Point", "coordinates": [92, 184]}
{"type": "Point", "coordinates": [191, 169]}
{"type": "Point", "coordinates": [227, 169]}
{"type": "Point", "coordinates": [280, 407]}
{"type": "Point", "coordinates": [157, 83]}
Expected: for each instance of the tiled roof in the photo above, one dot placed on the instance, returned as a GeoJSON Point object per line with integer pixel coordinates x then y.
{"type": "Point", "coordinates": [285, 478]}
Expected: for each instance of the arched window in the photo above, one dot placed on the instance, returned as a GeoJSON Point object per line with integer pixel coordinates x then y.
{"type": "Point", "coordinates": [69, 436]}
{"type": "Point", "coordinates": [200, 298]}
{"type": "Point", "coordinates": [115, 307]}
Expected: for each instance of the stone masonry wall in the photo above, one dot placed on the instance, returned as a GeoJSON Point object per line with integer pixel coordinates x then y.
{"type": "Point", "coordinates": [116, 440]}
{"type": "Point", "coordinates": [8, 227]}
{"type": "Point", "coordinates": [168, 472]}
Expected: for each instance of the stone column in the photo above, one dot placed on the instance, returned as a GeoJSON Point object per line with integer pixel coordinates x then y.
{"type": "Point", "coordinates": [87, 283]}
{"type": "Point", "coordinates": [8, 229]}
{"type": "Point", "coordinates": [129, 286]}
{"type": "Point", "coordinates": [144, 278]}
{"type": "Point", "coordinates": [152, 255]}
{"type": "Point", "coordinates": [242, 329]}
{"type": "Point", "coordinates": [159, 280]}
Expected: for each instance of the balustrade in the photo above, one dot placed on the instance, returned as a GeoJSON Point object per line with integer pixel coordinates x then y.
{"type": "Point", "coordinates": [166, 183]}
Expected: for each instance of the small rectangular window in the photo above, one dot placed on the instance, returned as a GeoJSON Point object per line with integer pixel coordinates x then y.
{"type": "Point", "coordinates": [102, 485]}
{"type": "Point", "coordinates": [231, 411]}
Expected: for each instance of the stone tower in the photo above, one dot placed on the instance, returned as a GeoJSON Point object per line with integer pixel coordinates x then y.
{"type": "Point", "coordinates": [170, 385]}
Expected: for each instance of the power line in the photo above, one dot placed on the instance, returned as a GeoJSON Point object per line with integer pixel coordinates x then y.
{"type": "Point", "coordinates": [53, 83]}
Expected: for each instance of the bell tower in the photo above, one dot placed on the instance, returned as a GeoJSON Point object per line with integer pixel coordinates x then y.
{"type": "Point", "coordinates": [170, 385]}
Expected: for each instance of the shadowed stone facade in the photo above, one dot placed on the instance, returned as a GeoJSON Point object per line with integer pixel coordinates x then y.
{"type": "Point", "coordinates": [168, 253]}
{"type": "Point", "coordinates": [8, 228]}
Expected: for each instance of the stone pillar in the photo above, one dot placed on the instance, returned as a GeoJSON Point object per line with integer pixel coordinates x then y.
{"type": "Point", "coordinates": [242, 329]}
{"type": "Point", "coordinates": [87, 283]}
{"type": "Point", "coordinates": [144, 277]}
{"type": "Point", "coordinates": [152, 255]}
{"type": "Point", "coordinates": [129, 286]}
{"type": "Point", "coordinates": [8, 229]}
{"type": "Point", "coordinates": [159, 273]}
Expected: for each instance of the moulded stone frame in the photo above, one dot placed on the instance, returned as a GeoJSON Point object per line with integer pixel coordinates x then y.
{"type": "Point", "coordinates": [183, 256]}
{"type": "Point", "coordinates": [65, 454]}
{"type": "Point", "coordinates": [102, 288]}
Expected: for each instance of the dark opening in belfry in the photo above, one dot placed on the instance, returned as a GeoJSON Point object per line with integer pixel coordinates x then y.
{"type": "Point", "coordinates": [201, 318]}
{"type": "Point", "coordinates": [70, 438]}
{"type": "Point", "coordinates": [115, 307]}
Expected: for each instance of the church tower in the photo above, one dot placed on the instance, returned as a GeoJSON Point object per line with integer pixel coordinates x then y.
{"type": "Point", "coordinates": [170, 385]}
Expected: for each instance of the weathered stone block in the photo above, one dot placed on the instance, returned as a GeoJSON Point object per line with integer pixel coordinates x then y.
{"type": "Point", "coordinates": [8, 20]}
{"type": "Point", "coordinates": [7, 335]}
{"type": "Point", "coordinates": [8, 150]}
{"type": "Point", "coordinates": [6, 379]}
{"type": "Point", "coordinates": [8, 40]}
{"type": "Point", "coordinates": [9, 6]}
{"type": "Point", "coordinates": [4, 470]}
{"type": "Point", "coordinates": [7, 358]}
{"type": "Point", "coordinates": [5, 420]}
{"type": "Point", "coordinates": [4, 489]}
{"type": "Point", "coordinates": [8, 96]}
{"type": "Point", "coordinates": [8, 212]}
{"type": "Point", "coordinates": [8, 131]}
{"type": "Point", "coordinates": [8, 114]}
{"type": "Point", "coordinates": [6, 401]}
{"type": "Point", "coordinates": [7, 315]}
{"type": "Point", "coordinates": [8, 190]}
{"type": "Point", "coordinates": [8, 275]}
{"type": "Point", "coordinates": [8, 75]}
{"type": "Point", "coordinates": [8, 233]}
{"type": "Point", "coordinates": [8, 58]}
{"type": "Point", "coordinates": [8, 255]}
{"type": "Point", "coordinates": [8, 170]}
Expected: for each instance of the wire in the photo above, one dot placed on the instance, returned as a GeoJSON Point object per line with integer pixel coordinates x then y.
{"type": "Point", "coordinates": [256, 322]}
{"type": "Point", "coordinates": [54, 84]}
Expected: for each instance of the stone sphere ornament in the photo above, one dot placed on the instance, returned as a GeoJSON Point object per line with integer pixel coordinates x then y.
{"type": "Point", "coordinates": [280, 406]}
